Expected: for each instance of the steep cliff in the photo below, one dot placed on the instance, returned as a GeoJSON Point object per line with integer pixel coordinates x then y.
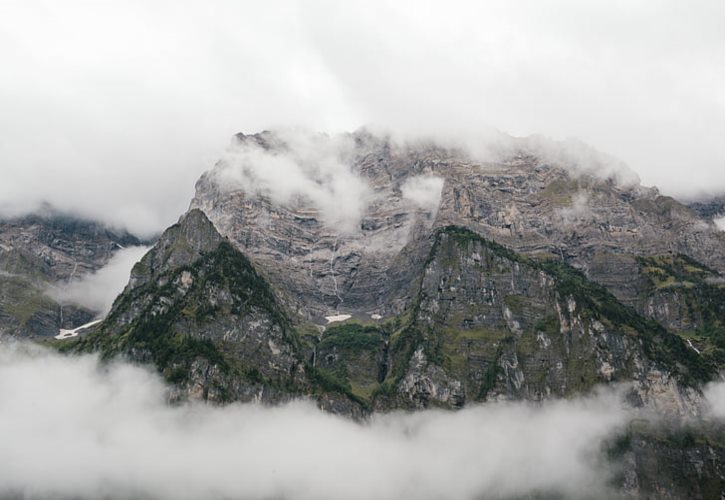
{"type": "Point", "coordinates": [688, 298]}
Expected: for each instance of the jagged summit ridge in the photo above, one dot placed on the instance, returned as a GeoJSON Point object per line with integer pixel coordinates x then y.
{"type": "Point", "coordinates": [182, 243]}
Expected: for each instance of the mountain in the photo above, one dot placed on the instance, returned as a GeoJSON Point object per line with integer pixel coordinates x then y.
{"type": "Point", "coordinates": [44, 250]}
{"type": "Point", "coordinates": [371, 276]}
{"type": "Point", "coordinates": [515, 279]}
{"type": "Point", "coordinates": [448, 303]}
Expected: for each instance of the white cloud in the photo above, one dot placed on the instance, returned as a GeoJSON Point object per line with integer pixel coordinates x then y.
{"type": "Point", "coordinates": [580, 158]}
{"type": "Point", "coordinates": [715, 394]}
{"type": "Point", "coordinates": [114, 110]}
{"type": "Point", "coordinates": [97, 291]}
{"type": "Point", "coordinates": [424, 191]}
{"type": "Point", "coordinates": [90, 431]}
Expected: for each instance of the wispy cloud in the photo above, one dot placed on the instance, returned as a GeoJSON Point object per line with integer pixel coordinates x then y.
{"type": "Point", "coordinates": [424, 191]}
{"type": "Point", "coordinates": [578, 211]}
{"type": "Point", "coordinates": [97, 291]}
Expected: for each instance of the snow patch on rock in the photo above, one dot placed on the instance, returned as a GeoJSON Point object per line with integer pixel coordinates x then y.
{"type": "Point", "coordinates": [66, 334]}
{"type": "Point", "coordinates": [337, 317]}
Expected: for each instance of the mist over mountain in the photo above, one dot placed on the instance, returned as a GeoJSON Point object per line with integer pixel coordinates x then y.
{"type": "Point", "coordinates": [362, 250]}
{"type": "Point", "coordinates": [364, 276]}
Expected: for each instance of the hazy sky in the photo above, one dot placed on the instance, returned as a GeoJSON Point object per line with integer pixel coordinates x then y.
{"type": "Point", "coordinates": [113, 109]}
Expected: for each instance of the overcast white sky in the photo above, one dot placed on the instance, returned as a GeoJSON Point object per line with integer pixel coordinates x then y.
{"type": "Point", "coordinates": [113, 109]}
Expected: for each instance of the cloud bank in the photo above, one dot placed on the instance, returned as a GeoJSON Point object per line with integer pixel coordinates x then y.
{"type": "Point", "coordinates": [114, 110]}
{"type": "Point", "coordinates": [97, 291]}
{"type": "Point", "coordinates": [74, 428]}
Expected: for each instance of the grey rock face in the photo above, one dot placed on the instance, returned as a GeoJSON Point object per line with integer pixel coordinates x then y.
{"type": "Point", "coordinates": [672, 462]}
{"type": "Point", "coordinates": [180, 245]}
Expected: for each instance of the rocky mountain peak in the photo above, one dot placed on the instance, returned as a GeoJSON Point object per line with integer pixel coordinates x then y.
{"type": "Point", "coordinates": [181, 244]}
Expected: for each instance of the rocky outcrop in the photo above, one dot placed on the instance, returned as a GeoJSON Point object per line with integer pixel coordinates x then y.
{"type": "Point", "coordinates": [669, 461]}
{"type": "Point", "coordinates": [198, 310]}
